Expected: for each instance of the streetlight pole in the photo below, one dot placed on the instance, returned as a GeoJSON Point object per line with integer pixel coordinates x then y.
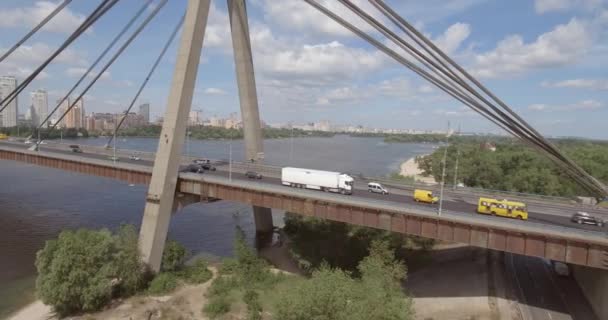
{"type": "Point", "coordinates": [61, 135]}
{"type": "Point", "coordinates": [188, 145]}
{"type": "Point", "coordinates": [230, 159]}
{"type": "Point", "coordinates": [456, 169]}
{"type": "Point", "coordinates": [291, 147]}
{"type": "Point", "coordinates": [114, 147]}
{"type": "Point", "coordinates": [445, 156]}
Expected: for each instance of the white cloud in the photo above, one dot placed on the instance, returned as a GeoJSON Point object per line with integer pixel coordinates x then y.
{"type": "Point", "coordinates": [215, 91]}
{"type": "Point", "coordinates": [581, 105]}
{"type": "Point", "coordinates": [453, 37]}
{"type": "Point", "coordinates": [544, 6]}
{"type": "Point", "coordinates": [65, 21]}
{"type": "Point", "coordinates": [320, 62]}
{"type": "Point", "coordinates": [564, 45]}
{"type": "Point", "coordinates": [594, 84]}
{"type": "Point", "coordinates": [299, 15]}
{"type": "Point", "coordinates": [77, 72]}
{"type": "Point", "coordinates": [217, 33]}
{"type": "Point", "coordinates": [39, 51]}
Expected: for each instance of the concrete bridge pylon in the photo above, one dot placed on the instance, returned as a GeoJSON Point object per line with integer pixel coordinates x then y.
{"type": "Point", "coordinates": [160, 199]}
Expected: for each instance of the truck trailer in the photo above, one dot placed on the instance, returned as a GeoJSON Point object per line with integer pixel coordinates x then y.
{"type": "Point", "coordinates": [317, 180]}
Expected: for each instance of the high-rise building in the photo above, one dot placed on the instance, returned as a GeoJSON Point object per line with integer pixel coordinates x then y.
{"type": "Point", "coordinates": [62, 109]}
{"type": "Point", "coordinates": [195, 118]}
{"type": "Point", "coordinates": [75, 117]}
{"type": "Point", "coordinates": [144, 111]}
{"type": "Point", "coordinates": [9, 115]}
{"type": "Point", "coordinates": [40, 107]}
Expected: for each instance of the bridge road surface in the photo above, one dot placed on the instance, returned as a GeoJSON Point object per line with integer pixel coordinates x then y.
{"type": "Point", "coordinates": [556, 215]}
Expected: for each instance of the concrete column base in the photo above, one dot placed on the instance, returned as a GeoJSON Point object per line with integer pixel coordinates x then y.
{"type": "Point", "coordinates": [263, 219]}
{"type": "Point", "coordinates": [594, 283]}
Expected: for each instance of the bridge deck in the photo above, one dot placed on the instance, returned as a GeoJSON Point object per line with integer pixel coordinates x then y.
{"type": "Point", "coordinates": [560, 243]}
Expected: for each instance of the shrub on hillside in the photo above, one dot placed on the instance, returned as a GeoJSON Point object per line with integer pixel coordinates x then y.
{"type": "Point", "coordinates": [163, 283]}
{"type": "Point", "coordinates": [82, 270]}
{"type": "Point", "coordinates": [198, 272]}
{"type": "Point", "coordinates": [174, 256]}
{"type": "Point", "coordinates": [334, 294]}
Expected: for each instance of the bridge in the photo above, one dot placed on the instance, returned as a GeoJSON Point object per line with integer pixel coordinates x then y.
{"type": "Point", "coordinates": [548, 233]}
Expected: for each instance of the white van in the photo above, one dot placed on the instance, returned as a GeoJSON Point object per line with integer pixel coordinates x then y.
{"type": "Point", "coordinates": [376, 188]}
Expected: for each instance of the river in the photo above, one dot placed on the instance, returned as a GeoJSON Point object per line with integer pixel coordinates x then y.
{"type": "Point", "coordinates": [36, 203]}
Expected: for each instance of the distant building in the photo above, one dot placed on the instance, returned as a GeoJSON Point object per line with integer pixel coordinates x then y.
{"type": "Point", "coordinates": [10, 114]}
{"type": "Point", "coordinates": [62, 109]}
{"type": "Point", "coordinates": [144, 111]}
{"type": "Point", "coordinates": [90, 123]}
{"type": "Point", "coordinates": [131, 120]}
{"type": "Point", "coordinates": [195, 118]}
{"type": "Point", "coordinates": [40, 107]}
{"type": "Point", "coordinates": [321, 126]}
{"type": "Point", "coordinates": [488, 146]}
{"type": "Point", "coordinates": [75, 117]}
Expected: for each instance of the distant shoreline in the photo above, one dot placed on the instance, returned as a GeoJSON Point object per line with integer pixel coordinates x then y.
{"type": "Point", "coordinates": [410, 168]}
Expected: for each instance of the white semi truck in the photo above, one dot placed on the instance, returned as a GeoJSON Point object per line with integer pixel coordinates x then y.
{"type": "Point", "coordinates": [317, 180]}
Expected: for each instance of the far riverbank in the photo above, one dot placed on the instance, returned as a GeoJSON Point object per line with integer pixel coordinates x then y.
{"type": "Point", "coordinates": [410, 168]}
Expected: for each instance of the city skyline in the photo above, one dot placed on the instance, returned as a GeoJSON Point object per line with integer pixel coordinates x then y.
{"type": "Point", "coordinates": [550, 70]}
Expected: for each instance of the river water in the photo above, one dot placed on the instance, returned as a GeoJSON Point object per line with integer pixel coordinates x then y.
{"type": "Point", "coordinates": [36, 203]}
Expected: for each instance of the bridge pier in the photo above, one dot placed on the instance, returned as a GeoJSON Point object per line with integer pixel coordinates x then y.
{"type": "Point", "coordinates": [594, 284]}
{"type": "Point", "coordinates": [252, 129]}
{"type": "Point", "coordinates": [161, 193]}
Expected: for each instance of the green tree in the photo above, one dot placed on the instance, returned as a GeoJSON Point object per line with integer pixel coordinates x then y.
{"type": "Point", "coordinates": [82, 270]}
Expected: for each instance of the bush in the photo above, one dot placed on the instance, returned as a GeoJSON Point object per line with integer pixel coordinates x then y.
{"type": "Point", "coordinates": [222, 286]}
{"type": "Point", "coordinates": [334, 294]}
{"type": "Point", "coordinates": [217, 306]}
{"type": "Point", "coordinates": [198, 272]}
{"type": "Point", "coordinates": [174, 256]}
{"type": "Point", "coordinates": [163, 283]}
{"type": "Point", "coordinates": [83, 270]}
{"type": "Point", "coordinates": [254, 308]}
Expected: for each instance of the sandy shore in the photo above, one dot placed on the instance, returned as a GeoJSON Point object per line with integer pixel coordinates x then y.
{"type": "Point", "coordinates": [34, 311]}
{"type": "Point", "coordinates": [410, 168]}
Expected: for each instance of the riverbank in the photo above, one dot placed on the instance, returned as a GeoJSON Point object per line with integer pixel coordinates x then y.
{"type": "Point", "coordinates": [410, 168]}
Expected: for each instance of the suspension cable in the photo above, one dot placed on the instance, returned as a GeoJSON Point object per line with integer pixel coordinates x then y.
{"type": "Point", "coordinates": [99, 58]}
{"type": "Point", "coordinates": [145, 82]}
{"type": "Point", "coordinates": [516, 130]}
{"type": "Point", "coordinates": [423, 73]}
{"type": "Point", "coordinates": [409, 29]}
{"type": "Point", "coordinates": [110, 62]}
{"type": "Point", "coordinates": [36, 28]}
{"type": "Point", "coordinates": [94, 16]}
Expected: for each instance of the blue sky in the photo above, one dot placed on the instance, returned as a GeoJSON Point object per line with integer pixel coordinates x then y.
{"type": "Point", "coordinates": [548, 59]}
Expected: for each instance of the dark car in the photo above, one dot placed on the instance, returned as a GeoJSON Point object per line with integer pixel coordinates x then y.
{"type": "Point", "coordinates": [76, 148]}
{"type": "Point", "coordinates": [253, 175]}
{"type": "Point", "coordinates": [585, 218]}
{"type": "Point", "coordinates": [194, 168]}
{"type": "Point", "coordinates": [207, 166]}
{"type": "Point", "coordinates": [201, 161]}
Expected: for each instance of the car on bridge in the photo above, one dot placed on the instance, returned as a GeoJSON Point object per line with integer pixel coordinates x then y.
{"type": "Point", "coordinates": [194, 168]}
{"type": "Point", "coordinates": [134, 157]}
{"type": "Point", "coordinates": [582, 217]}
{"type": "Point", "coordinates": [201, 161]}
{"type": "Point", "coordinates": [253, 175]}
{"type": "Point", "coordinates": [375, 187]}
{"type": "Point", "coordinates": [75, 148]}
{"type": "Point", "coordinates": [425, 196]}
